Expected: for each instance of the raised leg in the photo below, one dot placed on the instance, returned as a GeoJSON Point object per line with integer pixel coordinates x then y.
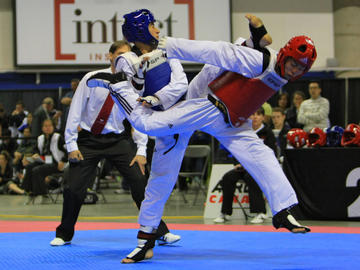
{"type": "Point", "coordinates": [284, 219]}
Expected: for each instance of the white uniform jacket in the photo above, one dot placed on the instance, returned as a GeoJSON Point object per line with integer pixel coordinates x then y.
{"type": "Point", "coordinates": [85, 107]}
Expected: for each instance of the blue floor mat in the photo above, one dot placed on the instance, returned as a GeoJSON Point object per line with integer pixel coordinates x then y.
{"type": "Point", "coordinates": [197, 250]}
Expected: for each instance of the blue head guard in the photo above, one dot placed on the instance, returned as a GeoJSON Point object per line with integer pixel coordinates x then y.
{"type": "Point", "coordinates": [136, 27]}
{"type": "Point", "coordinates": [333, 136]}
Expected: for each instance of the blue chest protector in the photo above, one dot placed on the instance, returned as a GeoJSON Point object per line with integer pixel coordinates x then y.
{"type": "Point", "coordinates": [155, 79]}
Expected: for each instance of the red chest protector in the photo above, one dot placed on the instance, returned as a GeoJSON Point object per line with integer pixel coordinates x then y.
{"type": "Point", "coordinates": [241, 96]}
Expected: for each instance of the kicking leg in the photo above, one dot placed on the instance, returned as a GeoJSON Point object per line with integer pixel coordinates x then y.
{"type": "Point", "coordinates": [185, 116]}
{"type": "Point", "coordinates": [284, 219]}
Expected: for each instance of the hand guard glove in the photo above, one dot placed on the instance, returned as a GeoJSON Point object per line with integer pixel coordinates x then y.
{"type": "Point", "coordinates": [151, 100]}
{"type": "Point", "coordinates": [162, 44]}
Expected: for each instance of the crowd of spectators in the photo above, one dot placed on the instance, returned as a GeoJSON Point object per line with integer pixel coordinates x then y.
{"type": "Point", "coordinates": [27, 152]}
{"type": "Point", "coordinates": [26, 163]}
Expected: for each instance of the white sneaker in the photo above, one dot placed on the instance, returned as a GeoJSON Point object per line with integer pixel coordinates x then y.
{"type": "Point", "coordinates": [45, 199]}
{"type": "Point", "coordinates": [259, 218]}
{"type": "Point", "coordinates": [30, 200]}
{"type": "Point", "coordinates": [168, 239]}
{"type": "Point", "coordinates": [122, 191]}
{"type": "Point", "coordinates": [59, 242]}
{"type": "Point", "coordinates": [222, 218]}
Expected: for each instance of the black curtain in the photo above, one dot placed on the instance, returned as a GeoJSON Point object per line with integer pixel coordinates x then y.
{"type": "Point", "coordinates": [354, 100]}
{"type": "Point", "coordinates": [320, 178]}
{"type": "Point", "coordinates": [334, 91]}
{"type": "Point", "coordinates": [31, 98]}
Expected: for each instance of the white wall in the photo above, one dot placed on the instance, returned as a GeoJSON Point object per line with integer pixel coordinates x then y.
{"type": "Point", "coordinates": [6, 36]}
{"type": "Point", "coordinates": [283, 18]}
{"type": "Point", "coordinates": [46, 39]}
{"type": "Point", "coordinates": [286, 18]}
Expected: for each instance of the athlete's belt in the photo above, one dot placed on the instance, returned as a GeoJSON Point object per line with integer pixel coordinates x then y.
{"type": "Point", "coordinates": [218, 104]}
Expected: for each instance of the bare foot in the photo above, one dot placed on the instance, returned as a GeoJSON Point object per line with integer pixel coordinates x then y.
{"type": "Point", "coordinates": [265, 41]}
{"type": "Point", "coordinates": [257, 22]}
{"type": "Point", "coordinates": [300, 230]}
{"type": "Point", "coordinates": [253, 20]}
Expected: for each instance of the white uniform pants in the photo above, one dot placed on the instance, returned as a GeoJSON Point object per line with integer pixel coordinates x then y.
{"type": "Point", "coordinates": [163, 176]}
{"type": "Point", "coordinates": [200, 114]}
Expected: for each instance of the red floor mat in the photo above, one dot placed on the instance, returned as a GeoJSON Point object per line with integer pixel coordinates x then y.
{"type": "Point", "coordinates": [39, 226]}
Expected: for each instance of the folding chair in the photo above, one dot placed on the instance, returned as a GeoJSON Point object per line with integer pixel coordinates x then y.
{"type": "Point", "coordinates": [56, 185]}
{"type": "Point", "coordinates": [96, 185]}
{"type": "Point", "coordinates": [56, 188]}
{"type": "Point", "coordinates": [201, 152]}
{"type": "Point", "coordinates": [246, 215]}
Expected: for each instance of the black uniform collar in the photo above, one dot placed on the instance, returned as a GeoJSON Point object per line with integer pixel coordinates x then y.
{"type": "Point", "coordinates": [136, 50]}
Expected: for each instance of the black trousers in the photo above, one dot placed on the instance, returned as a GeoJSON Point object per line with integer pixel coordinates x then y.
{"type": "Point", "coordinates": [34, 179]}
{"type": "Point", "coordinates": [119, 150]}
{"type": "Point", "coordinates": [256, 199]}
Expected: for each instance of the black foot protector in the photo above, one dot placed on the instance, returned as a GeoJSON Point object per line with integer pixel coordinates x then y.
{"type": "Point", "coordinates": [284, 219]}
{"type": "Point", "coordinates": [103, 79]}
{"type": "Point", "coordinates": [144, 250]}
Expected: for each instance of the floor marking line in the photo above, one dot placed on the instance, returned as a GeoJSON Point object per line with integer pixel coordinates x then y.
{"type": "Point", "coordinates": [97, 218]}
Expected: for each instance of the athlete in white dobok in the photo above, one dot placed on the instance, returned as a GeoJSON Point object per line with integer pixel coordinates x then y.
{"type": "Point", "coordinates": [233, 84]}
{"type": "Point", "coordinates": [161, 87]}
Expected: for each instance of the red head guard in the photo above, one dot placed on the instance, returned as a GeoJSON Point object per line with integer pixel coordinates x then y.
{"type": "Point", "coordinates": [316, 137]}
{"type": "Point", "coordinates": [351, 135]}
{"type": "Point", "coordinates": [302, 49]}
{"type": "Point", "coordinates": [297, 137]}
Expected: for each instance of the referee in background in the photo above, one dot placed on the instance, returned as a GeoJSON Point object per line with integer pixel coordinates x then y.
{"type": "Point", "coordinates": [95, 130]}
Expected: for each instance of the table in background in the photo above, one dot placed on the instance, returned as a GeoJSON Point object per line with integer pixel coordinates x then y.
{"type": "Point", "coordinates": [326, 181]}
